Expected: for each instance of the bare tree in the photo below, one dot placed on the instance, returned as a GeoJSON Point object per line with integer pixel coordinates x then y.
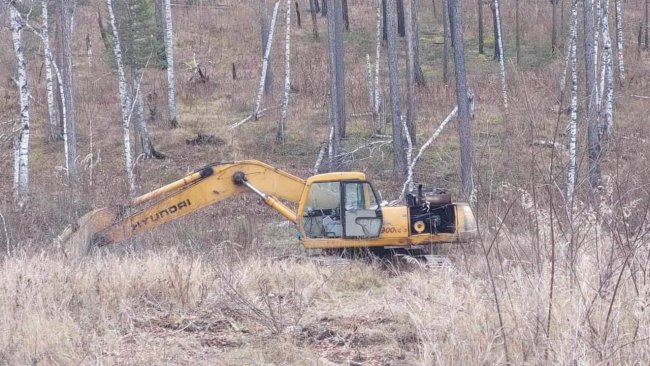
{"type": "Point", "coordinates": [479, 6]}
{"type": "Point", "coordinates": [337, 65]}
{"type": "Point", "coordinates": [464, 114]}
{"type": "Point", "coordinates": [313, 10]}
{"type": "Point", "coordinates": [169, 52]}
{"type": "Point", "coordinates": [67, 9]}
{"type": "Point", "coordinates": [500, 56]}
{"type": "Point", "coordinates": [346, 17]}
{"type": "Point", "coordinates": [264, 80]}
{"type": "Point", "coordinates": [447, 41]}
{"type": "Point", "coordinates": [517, 33]}
{"type": "Point", "coordinates": [21, 148]}
{"type": "Point", "coordinates": [401, 29]}
{"type": "Point", "coordinates": [593, 140]}
{"type": "Point", "coordinates": [608, 72]}
{"type": "Point", "coordinates": [572, 127]}
{"type": "Point", "coordinates": [53, 113]}
{"type": "Point", "coordinates": [399, 162]}
{"type": "Point", "coordinates": [619, 39]}
{"type": "Point", "coordinates": [266, 31]}
{"type": "Point", "coordinates": [125, 101]}
{"type": "Point", "coordinates": [415, 39]}
{"type": "Point", "coordinates": [281, 134]}
{"type": "Point", "coordinates": [554, 5]}
{"type": "Point", "coordinates": [411, 70]}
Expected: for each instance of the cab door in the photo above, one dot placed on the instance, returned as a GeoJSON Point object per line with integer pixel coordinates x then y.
{"type": "Point", "coordinates": [362, 216]}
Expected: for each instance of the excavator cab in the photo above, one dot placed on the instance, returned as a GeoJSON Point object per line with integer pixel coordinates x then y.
{"type": "Point", "coordinates": [337, 209]}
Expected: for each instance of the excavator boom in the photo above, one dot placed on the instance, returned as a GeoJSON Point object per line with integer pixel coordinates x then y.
{"type": "Point", "coordinates": [206, 186]}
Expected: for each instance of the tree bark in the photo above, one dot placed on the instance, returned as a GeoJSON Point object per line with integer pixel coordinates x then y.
{"type": "Point", "coordinates": [314, 22]}
{"type": "Point", "coordinates": [125, 101]}
{"type": "Point", "coordinates": [333, 22]}
{"type": "Point", "coordinates": [499, 43]}
{"type": "Point", "coordinates": [376, 102]}
{"type": "Point", "coordinates": [67, 9]}
{"type": "Point", "coordinates": [419, 75]}
{"type": "Point", "coordinates": [21, 148]}
{"type": "Point", "coordinates": [401, 30]}
{"type": "Point", "coordinates": [281, 133]}
{"type": "Point", "coordinates": [608, 67]}
{"type": "Point", "coordinates": [266, 63]}
{"type": "Point", "coordinates": [383, 17]}
{"type": "Point", "coordinates": [517, 33]}
{"type": "Point", "coordinates": [338, 69]}
{"type": "Point", "coordinates": [479, 6]}
{"type": "Point", "coordinates": [593, 143]}
{"type": "Point", "coordinates": [572, 127]}
{"type": "Point", "coordinates": [169, 52]}
{"type": "Point", "coordinates": [464, 128]}
{"type": "Point", "coordinates": [265, 30]}
{"type": "Point", "coordinates": [619, 40]}
{"type": "Point", "coordinates": [54, 129]}
{"type": "Point", "coordinates": [554, 28]}
{"type": "Point", "coordinates": [410, 81]}
{"type": "Point", "coordinates": [495, 29]}
{"type": "Point", "coordinates": [346, 16]}
{"type": "Point", "coordinates": [323, 9]}
{"type": "Point", "coordinates": [447, 40]}
{"type": "Point", "coordinates": [399, 157]}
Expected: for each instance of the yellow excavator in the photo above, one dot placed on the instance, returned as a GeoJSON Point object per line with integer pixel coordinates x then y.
{"type": "Point", "coordinates": [334, 210]}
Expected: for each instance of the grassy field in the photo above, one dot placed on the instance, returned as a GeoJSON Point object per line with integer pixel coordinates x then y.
{"type": "Point", "coordinates": [549, 281]}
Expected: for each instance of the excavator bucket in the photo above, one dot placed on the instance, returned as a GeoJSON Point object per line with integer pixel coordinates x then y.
{"type": "Point", "coordinates": [76, 240]}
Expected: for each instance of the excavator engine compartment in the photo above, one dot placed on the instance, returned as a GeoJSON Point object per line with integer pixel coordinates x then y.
{"type": "Point", "coordinates": [431, 212]}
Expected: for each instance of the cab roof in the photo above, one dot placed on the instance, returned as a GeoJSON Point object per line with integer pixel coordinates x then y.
{"type": "Point", "coordinates": [336, 176]}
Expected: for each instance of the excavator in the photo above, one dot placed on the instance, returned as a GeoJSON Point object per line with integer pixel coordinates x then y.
{"type": "Point", "coordinates": [337, 210]}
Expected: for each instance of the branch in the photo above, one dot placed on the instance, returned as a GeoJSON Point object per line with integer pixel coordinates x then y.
{"type": "Point", "coordinates": [249, 117]}
{"type": "Point", "coordinates": [425, 146]}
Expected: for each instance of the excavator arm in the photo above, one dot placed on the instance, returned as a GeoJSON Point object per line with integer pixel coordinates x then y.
{"type": "Point", "coordinates": [204, 187]}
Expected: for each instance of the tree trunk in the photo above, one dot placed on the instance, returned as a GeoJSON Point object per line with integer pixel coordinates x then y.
{"type": "Point", "coordinates": [399, 162]}
{"type": "Point", "coordinates": [554, 28]}
{"type": "Point", "coordinates": [323, 9]}
{"type": "Point", "coordinates": [336, 13]}
{"type": "Point", "coordinates": [619, 40]}
{"type": "Point", "coordinates": [517, 33]}
{"type": "Point", "coordinates": [495, 29]}
{"type": "Point", "coordinates": [266, 63]}
{"type": "Point", "coordinates": [376, 103]}
{"type": "Point", "coordinates": [593, 143]}
{"type": "Point", "coordinates": [346, 17]}
{"type": "Point", "coordinates": [169, 51]}
{"type": "Point", "coordinates": [333, 22]}
{"type": "Point", "coordinates": [400, 18]}
{"type": "Point", "coordinates": [410, 81]}
{"type": "Point", "coordinates": [281, 133]}
{"type": "Point", "coordinates": [464, 129]}
{"type": "Point", "coordinates": [314, 22]}
{"type": "Point", "coordinates": [435, 12]}
{"type": "Point", "coordinates": [572, 128]}
{"type": "Point", "coordinates": [608, 67]}
{"type": "Point", "coordinates": [147, 150]}
{"type": "Point", "coordinates": [447, 40]}
{"type": "Point", "coordinates": [419, 75]}
{"type": "Point", "coordinates": [125, 101]}
{"type": "Point", "coordinates": [54, 129]}
{"type": "Point", "coordinates": [21, 148]}
{"type": "Point", "coordinates": [479, 5]}
{"type": "Point", "coordinates": [265, 29]}
{"type": "Point", "coordinates": [383, 17]}
{"type": "Point", "coordinates": [647, 21]}
{"type": "Point", "coordinates": [67, 8]}
{"type": "Point", "coordinates": [316, 7]}
{"type": "Point", "coordinates": [298, 15]}
{"type": "Point", "coordinates": [499, 43]}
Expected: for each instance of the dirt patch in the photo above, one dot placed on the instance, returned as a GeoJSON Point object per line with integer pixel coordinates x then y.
{"type": "Point", "coordinates": [205, 139]}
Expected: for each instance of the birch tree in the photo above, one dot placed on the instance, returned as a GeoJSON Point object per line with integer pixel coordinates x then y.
{"type": "Point", "coordinates": [500, 56]}
{"type": "Point", "coordinates": [464, 113]}
{"type": "Point", "coordinates": [266, 32]}
{"type": "Point", "coordinates": [593, 140]}
{"type": "Point", "coordinates": [54, 130]}
{"type": "Point", "coordinates": [619, 40]}
{"type": "Point", "coordinates": [608, 72]}
{"type": "Point", "coordinates": [66, 12]}
{"type": "Point", "coordinates": [21, 148]}
{"type": "Point", "coordinates": [281, 134]}
{"type": "Point", "coordinates": [264, 81]}
{"type": "Point", "coordinates": [399, 157]}
{"type": "Point", "coordinates": [169, 53]}
{"type": "Point", "coordinates": [415, 39]}
{"type": "Point", "coordinates": [572, 127]}
{"type": "Point", "coordinates": [125, 101]}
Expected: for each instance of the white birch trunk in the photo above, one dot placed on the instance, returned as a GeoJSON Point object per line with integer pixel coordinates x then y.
{"type": "Point", "coordinates": [410, 67]}
{"type": "Point", "coordinates": [371, 95]}
{"type": "Point", "coordinates": [124, 99]}
{"type": "Point", "coordinates": [501, 56]}
{"type": "Point", "coordinates": [64, 118]}
{"type": "Point", "coordinates": [169, 53]}
{"type": "Point", "coordinates": [265, 62]}
{"type": "Point", "coordinates": [619, 39]}
{"type": "Point", "coordinates": [409, 153]}
{"type": "Point", "coordinates": [378, 37]}
{"type": "Point", "coordinates": [54, 131]}
{"type": "Point", "coordinates": [607, 86]}
{"type": "Point", "coordinates": [572, 127]}
{"type": "Point", "coordinates": [281, 134]}
{"type": "Point", "coordinates": [21, 153]}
